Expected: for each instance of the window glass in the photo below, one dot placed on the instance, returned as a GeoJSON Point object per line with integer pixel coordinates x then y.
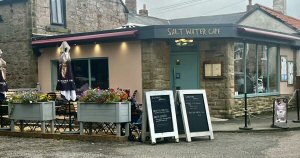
{"type": "Point", "coordinates": [250, 54]}
{"type": "Point", "coordinates": [239, 68]}
{"type": "Point", "coordinates": [98, 77]}
{"type": "Point", "coordinates": [81, 74]}
{"type": "Point", "coordinates": [57, 11]}
{"type": "Point", "coordinates": [273, 69]}
{"type": "Point", "coordinates": [262, 65]}
{"type": "Point", "coordinates": [53, 11]}
{"type": "Point", "coordinates": [99, 73]}
{"type": "Point", "coordinates": [255, 68]}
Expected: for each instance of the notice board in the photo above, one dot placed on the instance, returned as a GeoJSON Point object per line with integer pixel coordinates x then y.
{"type": "Point", "coordinates": [194, 113]}
{"type": "Point", "coordinates": [161, 116]}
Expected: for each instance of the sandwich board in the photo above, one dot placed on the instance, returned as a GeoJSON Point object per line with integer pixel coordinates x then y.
{"type": "Point", "coordinates": [194, 112]}
{"type": "Point", "coordinates": [160, 113]}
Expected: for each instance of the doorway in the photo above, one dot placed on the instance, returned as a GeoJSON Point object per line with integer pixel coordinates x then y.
{"type": "Point", "coordinates": [184, 70]}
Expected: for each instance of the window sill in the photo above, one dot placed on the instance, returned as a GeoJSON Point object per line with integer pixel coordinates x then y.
{"type": "Point", "coordinates": [241, 96]}
{"type": "Point", "coordinates": [59, 29]}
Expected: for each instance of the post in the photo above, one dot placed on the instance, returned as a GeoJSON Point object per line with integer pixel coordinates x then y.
{"type": "Point", "coordinates": [70, 120]}
{"type": "Point", "coordinates": [246, 115]}
{"type": "Point", "coordinates": [297, 104]}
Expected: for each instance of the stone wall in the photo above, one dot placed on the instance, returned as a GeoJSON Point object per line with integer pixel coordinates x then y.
{"type": "Point", "coordinates": [155, 65]}
{"type": "Point", "coordinates": [258, 105]}
{"type": "Point", "coordinates": [15, 42]}
{"type": "Point", "coordinates": [220, 92]}
{"type": "Point", "coordinates": [81, 16]}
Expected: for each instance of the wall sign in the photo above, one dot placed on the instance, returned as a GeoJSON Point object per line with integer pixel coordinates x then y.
{"type": "Point", "coordinates": [160, 112]}
{"type": "Point", "coordinates": [212, 70]}
{"type": "Point", "coordinates": [283, 68]}
{"type": "Point", "coordinates": [194, 113]}
{"type": "Point", "coordinates": [290, 72]}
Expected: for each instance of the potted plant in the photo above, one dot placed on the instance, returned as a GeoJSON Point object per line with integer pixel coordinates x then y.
{"type": "Point", "coordinates": [31, 105]}
{"type": "Point", "coordinates": [110, 105]}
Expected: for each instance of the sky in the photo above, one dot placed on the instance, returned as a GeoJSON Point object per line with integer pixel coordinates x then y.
{"type": "Point", "coordinates": [172, 9]}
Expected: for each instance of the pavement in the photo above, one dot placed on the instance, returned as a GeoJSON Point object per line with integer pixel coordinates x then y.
{"type": "Point", "coordinates": [258, 123]}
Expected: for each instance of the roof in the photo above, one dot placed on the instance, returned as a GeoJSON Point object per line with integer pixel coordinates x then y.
{"type": "Point", "coordinates": [214, 19]}
{"type": "Point", "coordinates": [145, 20]}
{"type": "Point", "coordinates": [291, 21]}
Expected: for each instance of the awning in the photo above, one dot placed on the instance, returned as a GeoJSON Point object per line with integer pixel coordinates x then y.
{"type": "Point", "coordinates": [268, 33]}
{"type": "Point", "coordinates": [123, 34]}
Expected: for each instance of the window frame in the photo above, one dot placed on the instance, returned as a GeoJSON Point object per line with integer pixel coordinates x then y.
{"type": "Point", "coordinates": [63, 13]}
{"type": "Point", "coordinates": [54, 64]}
{"type": "Point", "coordinates": [268, 77]}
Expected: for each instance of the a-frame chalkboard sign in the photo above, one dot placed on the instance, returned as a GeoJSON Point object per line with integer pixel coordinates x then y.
{"type": "Point", "coordinates": [161, 116]}
{"type": "Point", "coordinates": [195, 113]}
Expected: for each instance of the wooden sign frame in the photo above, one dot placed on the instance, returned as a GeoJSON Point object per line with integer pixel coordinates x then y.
{"type": "Point", "coordinates": [188, 134]}
{"type": "Point", "coordinates": [147, 114]}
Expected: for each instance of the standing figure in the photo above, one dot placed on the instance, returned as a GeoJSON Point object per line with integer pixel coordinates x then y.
{"type": "Point", "coordinates": [65, 82]}
{"type": "Point", "coordinates": [3, 84]}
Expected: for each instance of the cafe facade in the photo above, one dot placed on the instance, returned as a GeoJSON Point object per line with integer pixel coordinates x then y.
{"type": "Point", "coordinates": [251, 52]}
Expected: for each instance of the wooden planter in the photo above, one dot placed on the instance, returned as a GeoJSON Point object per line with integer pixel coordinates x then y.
{"type": "Point", "coordinates": [42, 111]}
{"type": "Point", "coordinates": [119, 112]}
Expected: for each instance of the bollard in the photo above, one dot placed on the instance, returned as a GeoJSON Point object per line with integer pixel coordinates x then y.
{"type": "Point", "coordinates": [246, 127]}
{"type": "Point", "coordinates": [297, 105]}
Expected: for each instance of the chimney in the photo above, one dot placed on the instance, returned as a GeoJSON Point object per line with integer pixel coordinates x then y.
{"type": "Point", "coordinates": [131, 5]}
{"type": "Point", "coordinates": [279, 5]}
{"type": "Point", "coordinates": [144, 11]}
{"type": "Point", "coordinates": [249, 6]}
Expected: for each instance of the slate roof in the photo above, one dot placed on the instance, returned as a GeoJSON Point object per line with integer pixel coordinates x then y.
{"type": "Point", "coordinates": [145, 20]}
{"type": "Point", "coordinates": [214, 19]}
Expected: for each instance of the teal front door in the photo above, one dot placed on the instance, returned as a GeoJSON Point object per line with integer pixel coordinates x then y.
{"type": "Point", "coordinates": [185, 70]}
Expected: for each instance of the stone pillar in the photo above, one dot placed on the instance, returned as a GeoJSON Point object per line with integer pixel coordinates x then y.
{"type": "Point", "coordinates": [155, 65]}
{"type": "Point", "coordinates": [220, 92]}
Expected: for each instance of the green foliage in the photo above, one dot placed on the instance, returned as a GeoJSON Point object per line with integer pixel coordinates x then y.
{"type": "Point", "coordinates": [104, 96]}
{"type": "Point", "coordinates": [27, 97]}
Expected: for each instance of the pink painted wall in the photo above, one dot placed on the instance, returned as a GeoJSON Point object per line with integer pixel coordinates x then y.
{"type": "Point", "coordinates": [124, 62]}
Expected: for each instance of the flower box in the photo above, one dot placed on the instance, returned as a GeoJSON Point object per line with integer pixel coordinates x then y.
{"type": "Point", "coordinates": [40, 111]}
{"type": "Point", "coordinates": [119, 112]}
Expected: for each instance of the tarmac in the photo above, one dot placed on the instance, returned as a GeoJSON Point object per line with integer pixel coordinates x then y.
{"type": "Point", "coordinates": [258, 123]}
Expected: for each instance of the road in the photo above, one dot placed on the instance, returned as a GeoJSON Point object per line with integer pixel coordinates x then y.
{"type": "Point", "coordinates": [225, 145]}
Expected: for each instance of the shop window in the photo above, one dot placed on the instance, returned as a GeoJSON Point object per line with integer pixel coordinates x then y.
{"type": "Point", "coordinates": [256, 69]}
{"type": "Point", "coordinates": [89, 73]}
{"type": "Point", "coordinates": [58, 12]}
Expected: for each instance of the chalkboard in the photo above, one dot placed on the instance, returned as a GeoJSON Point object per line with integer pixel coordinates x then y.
{"type": "Point", "coordinates": [196, 113]}
{"type": "Point", "coordinates": [161, 111]}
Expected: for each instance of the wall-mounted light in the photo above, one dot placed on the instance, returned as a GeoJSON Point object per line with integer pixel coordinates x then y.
{"type": "Point", "coordinates": [184, 42]}
{"type": "Point", "coordinates": [124, 47]}
{"type": "Point", "coordinates": [97, 49]}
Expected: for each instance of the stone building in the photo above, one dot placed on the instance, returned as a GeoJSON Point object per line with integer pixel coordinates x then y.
{"type": "Point", "coordinates": [253, 51]}
{"type": "Point", "coordinates": [20, 20]}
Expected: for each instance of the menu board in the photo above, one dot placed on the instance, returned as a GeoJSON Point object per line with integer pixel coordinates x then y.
{"type": "Point", "coordinates": [161, 111]}
{"type": "Point", "coordinates": [280, 112]}
{"type": "Point", "coordinates": [196, 114]}
{"type": "Point", "coordinates": [161, 116]}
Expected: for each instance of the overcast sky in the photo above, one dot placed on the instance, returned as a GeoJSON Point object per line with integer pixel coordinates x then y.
{"type": "Point", "coordinates": [171, 9]}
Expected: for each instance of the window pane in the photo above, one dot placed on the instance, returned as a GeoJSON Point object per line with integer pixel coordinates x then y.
{"type": "Point", "coordinates": [99, 73]}
{"type": "Point", "coordinates": [81, 74]}
{"type": "Point", "coordinates": [273, 69]}
{"type": "Point", "coordinates": [53, 11]}
{"type": "Point", "coordinates": [239, 68]}
{"type": "Point", "coordinates": [59, 12]}
{"type": "Point", "coordinates": [250, 55]}
{"type": "Point", "coordinates": [262, 78]}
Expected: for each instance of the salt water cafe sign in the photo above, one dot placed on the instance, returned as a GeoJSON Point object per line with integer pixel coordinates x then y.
{"type": "Point", "coordinates": [193, 31]}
